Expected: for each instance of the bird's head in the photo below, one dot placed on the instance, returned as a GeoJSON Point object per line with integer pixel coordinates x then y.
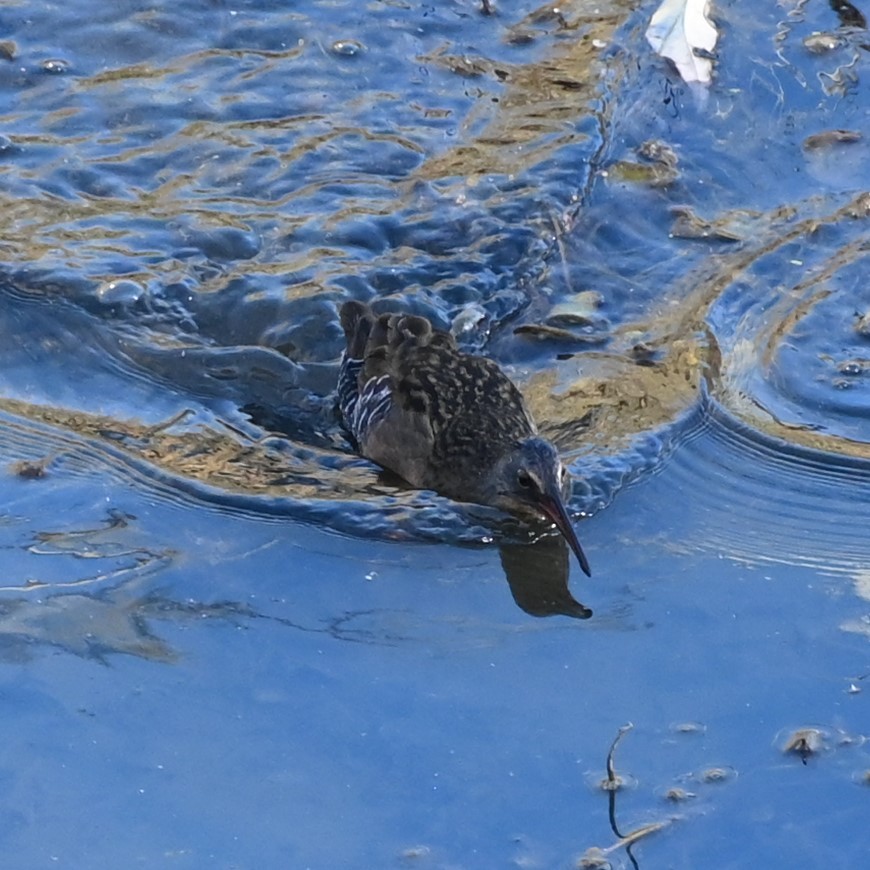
{"type": "Point", "coordinates": [531, 480]}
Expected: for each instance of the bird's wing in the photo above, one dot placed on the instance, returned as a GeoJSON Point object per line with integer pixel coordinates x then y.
{"type": "Point", "coordinates": [469, 408]}
{"type": "Point", "coordinates": [477, 411]}
{"type": "Point", "coordinates": [356, 320]}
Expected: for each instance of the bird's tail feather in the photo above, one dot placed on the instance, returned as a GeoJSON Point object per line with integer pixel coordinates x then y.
{"type": "Point", "coordinates": [356, 321]}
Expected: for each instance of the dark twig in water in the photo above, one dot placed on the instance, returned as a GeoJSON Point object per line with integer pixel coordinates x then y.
{"type": "Point", "coordinates": [614, 784]}
{"type": "Point", "coordinates": [595, 857]}
{"type": "Point", "coordinates": [611, 770]}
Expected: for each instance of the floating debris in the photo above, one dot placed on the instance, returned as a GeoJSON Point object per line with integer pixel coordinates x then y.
{"type": "Point", "coordinates": [643, 354]}
{"type": "Point", "coordinates": [689, 728]}
{"type": "Point", "coordinates": [805, 742]}
{"type": "Point", "coordinates": [543, 332]}
{"type": "Point", "coordinates": [822, 43]}
{"type": "Point", "coordinates": [30, 469]}
{"type": "Point", "coordinates": [581, 309]}
{"type": "Point", "coordinates": [678, 795]}
{"type": "Point", "coordinates": [594, 859]}
{"type": "Point", "coordinates": [652, 174]}
{"type": "Point", "coordinates": [464, 65]}
{"type": "Point", "coordinates": [682, 31]}
{"type": "Point", "coordinates": [471, 318]}
{"type": "Point", "coordinates": [849, 15]}
{"type": "Point", "coordinates": [717, 774]}
{"type": "Point", "coordinates": [415, 853]}
{"type": "Point", "coordinates": [859, 207]}
{"type": "Point", "coordinates": [844, 739]}
{"type": "Point", "coordinates": [732, 227]}
{"type": "Point", "coordinates": [829, 138]}
{"type": "Point", "coordinates": [657, 151]}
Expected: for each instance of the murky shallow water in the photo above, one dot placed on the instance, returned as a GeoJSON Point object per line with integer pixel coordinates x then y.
{"type": "Point", "coordinates": [227, 641]}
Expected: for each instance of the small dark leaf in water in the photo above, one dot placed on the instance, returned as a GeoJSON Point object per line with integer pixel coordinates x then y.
{"type": "Point", "coordinates": [55, 66]}
{"type": "Point", "coordinates": [829, 138]}
{"type": "Point", "coordinates": [849, 15]}
{"type": "Point", "coordinates": [31, 470]}
{"type": "Point", "coordinates": [520, 36]}
{"type": "Point", "coordinates": [805, 742]}
{"type": "Point", "coordinates": [347, 47]}
{"type": "Point", "coordinates": [8, 49]}
{"type": "Point", "coordinates": [643, 354]}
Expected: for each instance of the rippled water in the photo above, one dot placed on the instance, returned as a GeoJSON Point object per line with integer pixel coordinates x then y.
{"type": "Point", "coordinates": [228, 641]}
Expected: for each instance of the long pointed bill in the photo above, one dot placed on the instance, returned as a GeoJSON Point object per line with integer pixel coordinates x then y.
{"type": "Point", "coordinates": [554, 508]}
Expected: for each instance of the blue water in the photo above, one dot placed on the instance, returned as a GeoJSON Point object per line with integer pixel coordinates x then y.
{"type": "Point", "coordinates": [226, 641]}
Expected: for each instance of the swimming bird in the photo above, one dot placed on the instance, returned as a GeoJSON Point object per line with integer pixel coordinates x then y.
{"type": "Point", "coordinates": [446, 420]}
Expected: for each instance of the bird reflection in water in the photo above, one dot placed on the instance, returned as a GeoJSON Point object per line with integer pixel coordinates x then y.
{"type": "Point", "coordinates": [537, 574]}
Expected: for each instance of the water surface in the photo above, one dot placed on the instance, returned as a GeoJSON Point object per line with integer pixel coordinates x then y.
{"type": "Point", "coordinates": [227, 641]}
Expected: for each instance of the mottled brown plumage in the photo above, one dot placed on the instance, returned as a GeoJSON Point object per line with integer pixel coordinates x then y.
{"type": "Point", "coordinates": [446, 420]}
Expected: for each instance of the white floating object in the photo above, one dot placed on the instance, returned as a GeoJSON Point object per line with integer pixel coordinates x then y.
{"type": "Point", "coordinates": [681, 31]}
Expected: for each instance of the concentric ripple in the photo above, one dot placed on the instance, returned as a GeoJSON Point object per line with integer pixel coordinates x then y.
{"type": "Point", "coordinates": [794, 336]}
{"type": "Point", "coordinates": [766, 500]}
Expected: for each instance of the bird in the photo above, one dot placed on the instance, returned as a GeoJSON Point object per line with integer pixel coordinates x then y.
{"type": "Point", "coordinates": [445, 420]}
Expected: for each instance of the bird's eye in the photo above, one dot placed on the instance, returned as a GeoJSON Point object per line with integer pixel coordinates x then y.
{"type": "Point", "coordinates": [524, 479]}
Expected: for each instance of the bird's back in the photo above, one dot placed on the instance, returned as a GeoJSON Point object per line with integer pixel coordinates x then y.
{"type": "Point", "coordinates": [418, 405]}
